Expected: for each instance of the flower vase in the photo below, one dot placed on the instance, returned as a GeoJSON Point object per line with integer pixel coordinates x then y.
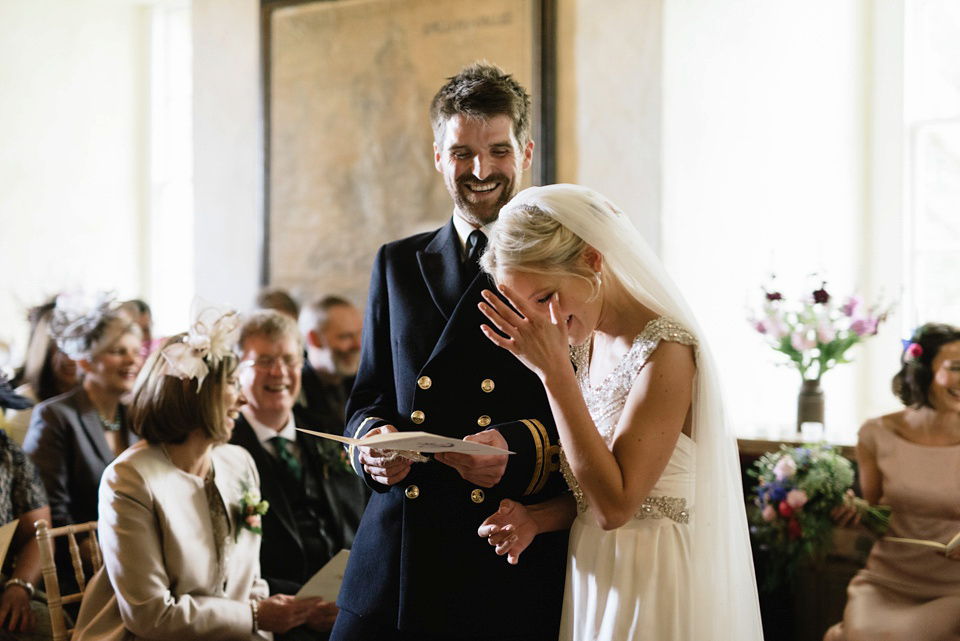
{"type": "Point", "coordinates": [810, 403]}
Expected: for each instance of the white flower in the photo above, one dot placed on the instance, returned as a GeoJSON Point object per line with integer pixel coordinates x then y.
{"type": "Point", "coordinates": [776, 328]}
{"type": "Point", "coordinates": [800, 341]}
{"type": "Point", "coordinates": [826, 332]}
{"type": "Point", "coordinates": [200, 344]}
{"type": "Point", "coordinates": [786, 468]}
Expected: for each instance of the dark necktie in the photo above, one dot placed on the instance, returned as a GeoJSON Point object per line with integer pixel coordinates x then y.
{"type": "Point", "coordinates": [476, 242]}
{"type": "Point", "coordinates": [282, 447]}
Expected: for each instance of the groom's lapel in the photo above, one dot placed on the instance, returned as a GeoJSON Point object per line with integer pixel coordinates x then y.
{"type": "Point", "coordinates": [441, 270]}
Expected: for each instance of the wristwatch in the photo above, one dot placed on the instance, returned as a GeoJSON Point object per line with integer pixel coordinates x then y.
{"type": "Point", "coordinates": [26, 585]}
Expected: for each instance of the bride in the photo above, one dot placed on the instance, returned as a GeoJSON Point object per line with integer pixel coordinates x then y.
{"type": "Point", "coordinates": [659, 545]}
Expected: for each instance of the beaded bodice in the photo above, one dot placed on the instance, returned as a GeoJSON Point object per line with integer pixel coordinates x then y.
{"type": "Point", "coordinates": [606, 402]}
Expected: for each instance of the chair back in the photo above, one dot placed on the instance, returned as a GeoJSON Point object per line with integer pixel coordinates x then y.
{"type": "Point", "coordinates": [55, 600]}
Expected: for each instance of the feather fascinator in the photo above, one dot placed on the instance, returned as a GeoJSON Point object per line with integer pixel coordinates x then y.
{"type": "Point", "coordinates": [210, 338]}
{"type": "Point", "coordinates": [84, 326]}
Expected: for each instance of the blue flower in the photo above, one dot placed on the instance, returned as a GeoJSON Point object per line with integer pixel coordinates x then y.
{"type": "Point", "coordinates": [778, 493]}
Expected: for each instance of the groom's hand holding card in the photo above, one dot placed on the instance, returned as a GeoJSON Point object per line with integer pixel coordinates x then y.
{"type": "Point", "coordinates": [418, 442]}
{"type": "Point", "coordinates": [484, 467]}
{"type": "Point", "coordinates": [387, 454]}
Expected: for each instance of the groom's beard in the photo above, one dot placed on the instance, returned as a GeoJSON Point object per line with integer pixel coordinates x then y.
{"type": "Point", "coordinates": [485, 211]}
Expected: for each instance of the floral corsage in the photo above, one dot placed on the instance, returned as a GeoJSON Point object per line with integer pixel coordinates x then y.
{"type": "Point", "coordinates": [334, 458]}
{"type": "Point", "coordinates": [250, 511]}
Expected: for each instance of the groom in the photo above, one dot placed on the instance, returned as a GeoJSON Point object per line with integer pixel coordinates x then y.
{"type": "Point", "coordinates": [418, 570]}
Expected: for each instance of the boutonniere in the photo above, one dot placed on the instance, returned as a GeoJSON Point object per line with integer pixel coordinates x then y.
{"type": "Point", "coordinates": [251, 510]}
{"type": "Point", "coordinates": [333, 457]}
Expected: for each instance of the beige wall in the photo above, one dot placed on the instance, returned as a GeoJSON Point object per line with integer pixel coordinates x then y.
{"type": "Point", "coordinates": [73, 156]}
{"type": "Point", "coordinates": [228, 155]}
{"type": "Point", "coordinates": [736, 134]}
{"type": "Point", "coordinates": [769, 123]}
{"type": "Point", "coordinates": [607, 108]}
{"type": "Point", "coordinates": [608, 103]}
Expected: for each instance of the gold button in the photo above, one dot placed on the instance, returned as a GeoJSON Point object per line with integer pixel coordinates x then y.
{"type": "Point", "coordinates": [487, 385]}
{"type": "Point", "coordinates": [477, 496]}
{"type": "Point", "coordinates": [483, 421]}
{"type": "Point", "coordinates": [424, 382]}
{"type": "Point", "coordinates": [412, 491]}
{"type": "Point", "coordinates": [418, 417]}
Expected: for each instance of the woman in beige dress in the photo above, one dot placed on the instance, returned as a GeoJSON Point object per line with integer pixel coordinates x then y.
{"type": "Point", "coordinates": [179, 511]}
{"type": "Point", "coordinates": [910, 460]}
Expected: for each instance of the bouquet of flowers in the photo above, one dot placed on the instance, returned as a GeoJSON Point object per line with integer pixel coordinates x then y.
{"type": "Point", "coordinates": [815, 330]}
{"type": "Point", "coordinates": [797, 488]}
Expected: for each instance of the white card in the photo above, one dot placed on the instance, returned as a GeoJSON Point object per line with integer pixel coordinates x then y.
{"type": "Point", "coordinates": [326, 582]}
{"type": "Point", "coordinates": [414, 442]}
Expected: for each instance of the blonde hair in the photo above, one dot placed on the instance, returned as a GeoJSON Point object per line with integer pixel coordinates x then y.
{"type": "Point", "coordinates": [526, 238]}
{"type": "Point", "coordinates": [166, 409]}
{"type": "Point", "coordinates": [271, 325]}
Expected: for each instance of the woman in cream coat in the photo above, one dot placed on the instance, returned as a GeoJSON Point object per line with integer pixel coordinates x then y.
{"type": "Point", "coordinates": [179, 522]}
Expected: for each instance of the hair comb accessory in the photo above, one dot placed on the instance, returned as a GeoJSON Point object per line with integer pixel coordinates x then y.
{"type": "Point", "coordinates": [208, 341]}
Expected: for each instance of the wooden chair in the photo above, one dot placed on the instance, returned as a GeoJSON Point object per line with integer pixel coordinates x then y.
{"type": "Point", "coordinates": [55, 600]}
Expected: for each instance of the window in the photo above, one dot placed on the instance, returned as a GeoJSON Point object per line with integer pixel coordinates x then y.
{"type": "Point", "coordinates": [169, 238]}
{"type": "Point", "coordinates": [932, 121]}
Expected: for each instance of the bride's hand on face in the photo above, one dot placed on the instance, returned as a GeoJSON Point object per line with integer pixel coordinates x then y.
{"type": "Point", "coordinates": [538, 339]}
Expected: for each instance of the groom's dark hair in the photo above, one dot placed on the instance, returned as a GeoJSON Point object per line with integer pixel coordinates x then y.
{"type": "Point", "coordinates": [482, 90]}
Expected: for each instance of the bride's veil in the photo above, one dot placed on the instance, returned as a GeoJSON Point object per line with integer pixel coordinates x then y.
{"type": "Point", "coordinates": [725, 603]}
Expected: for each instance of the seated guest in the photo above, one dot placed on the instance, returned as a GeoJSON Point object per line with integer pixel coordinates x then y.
{"type": "Point", "coordinates": [179, 525]}
{"type": "Point", "coordinates": [141, 314]}
{"type": "Point", "coordinates": [331, 328]}
{"type": "Point", "coordinates": [309, 521]}
{"type": "Point", "coordinates": [73, 437]}
{"type": "Point", "coordinates": [23, 614]}
{"type": "Point", "coordinates": [47, 372]}
{"type": "Point", "coordinates": [279, 300]}
{"type": "Point", "coordinates": [910, 460]}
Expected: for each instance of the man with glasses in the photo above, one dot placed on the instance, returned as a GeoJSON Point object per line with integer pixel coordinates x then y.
{"type": "Point", "coordinates": [308, 521]}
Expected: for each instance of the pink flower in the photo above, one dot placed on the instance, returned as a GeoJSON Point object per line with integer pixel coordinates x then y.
{"type": "Point", "coordinates": [826, 332]}
{"type": "Point", "coordinates": [769, 513]}
{"type": "Point", "coordinates": [796, 499]}
{"type": "Point", "coordinates": [800, 342]}
{"type": "Point", "coordinates": [786, 468]}
{"type": "Point", "coordinates": [253, 520]}
{"type": "Point", "coordinates": [852, 304]}
{"type": "Point", "coordinates": [776, 329]}
{"type": "Point", "coordinates": [914, 351]}
{"type": "Point", "coordinates": [865, 326]}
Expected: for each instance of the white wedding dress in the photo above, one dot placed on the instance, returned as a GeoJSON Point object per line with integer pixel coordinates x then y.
{"type": "Point", "coordinates": [633, 582]}
{"type": "Point", "coordinates": [638, 581]}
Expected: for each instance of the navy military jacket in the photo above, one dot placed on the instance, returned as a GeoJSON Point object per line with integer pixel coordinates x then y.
{"type": "Point", "coordinates": [426, 365]}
